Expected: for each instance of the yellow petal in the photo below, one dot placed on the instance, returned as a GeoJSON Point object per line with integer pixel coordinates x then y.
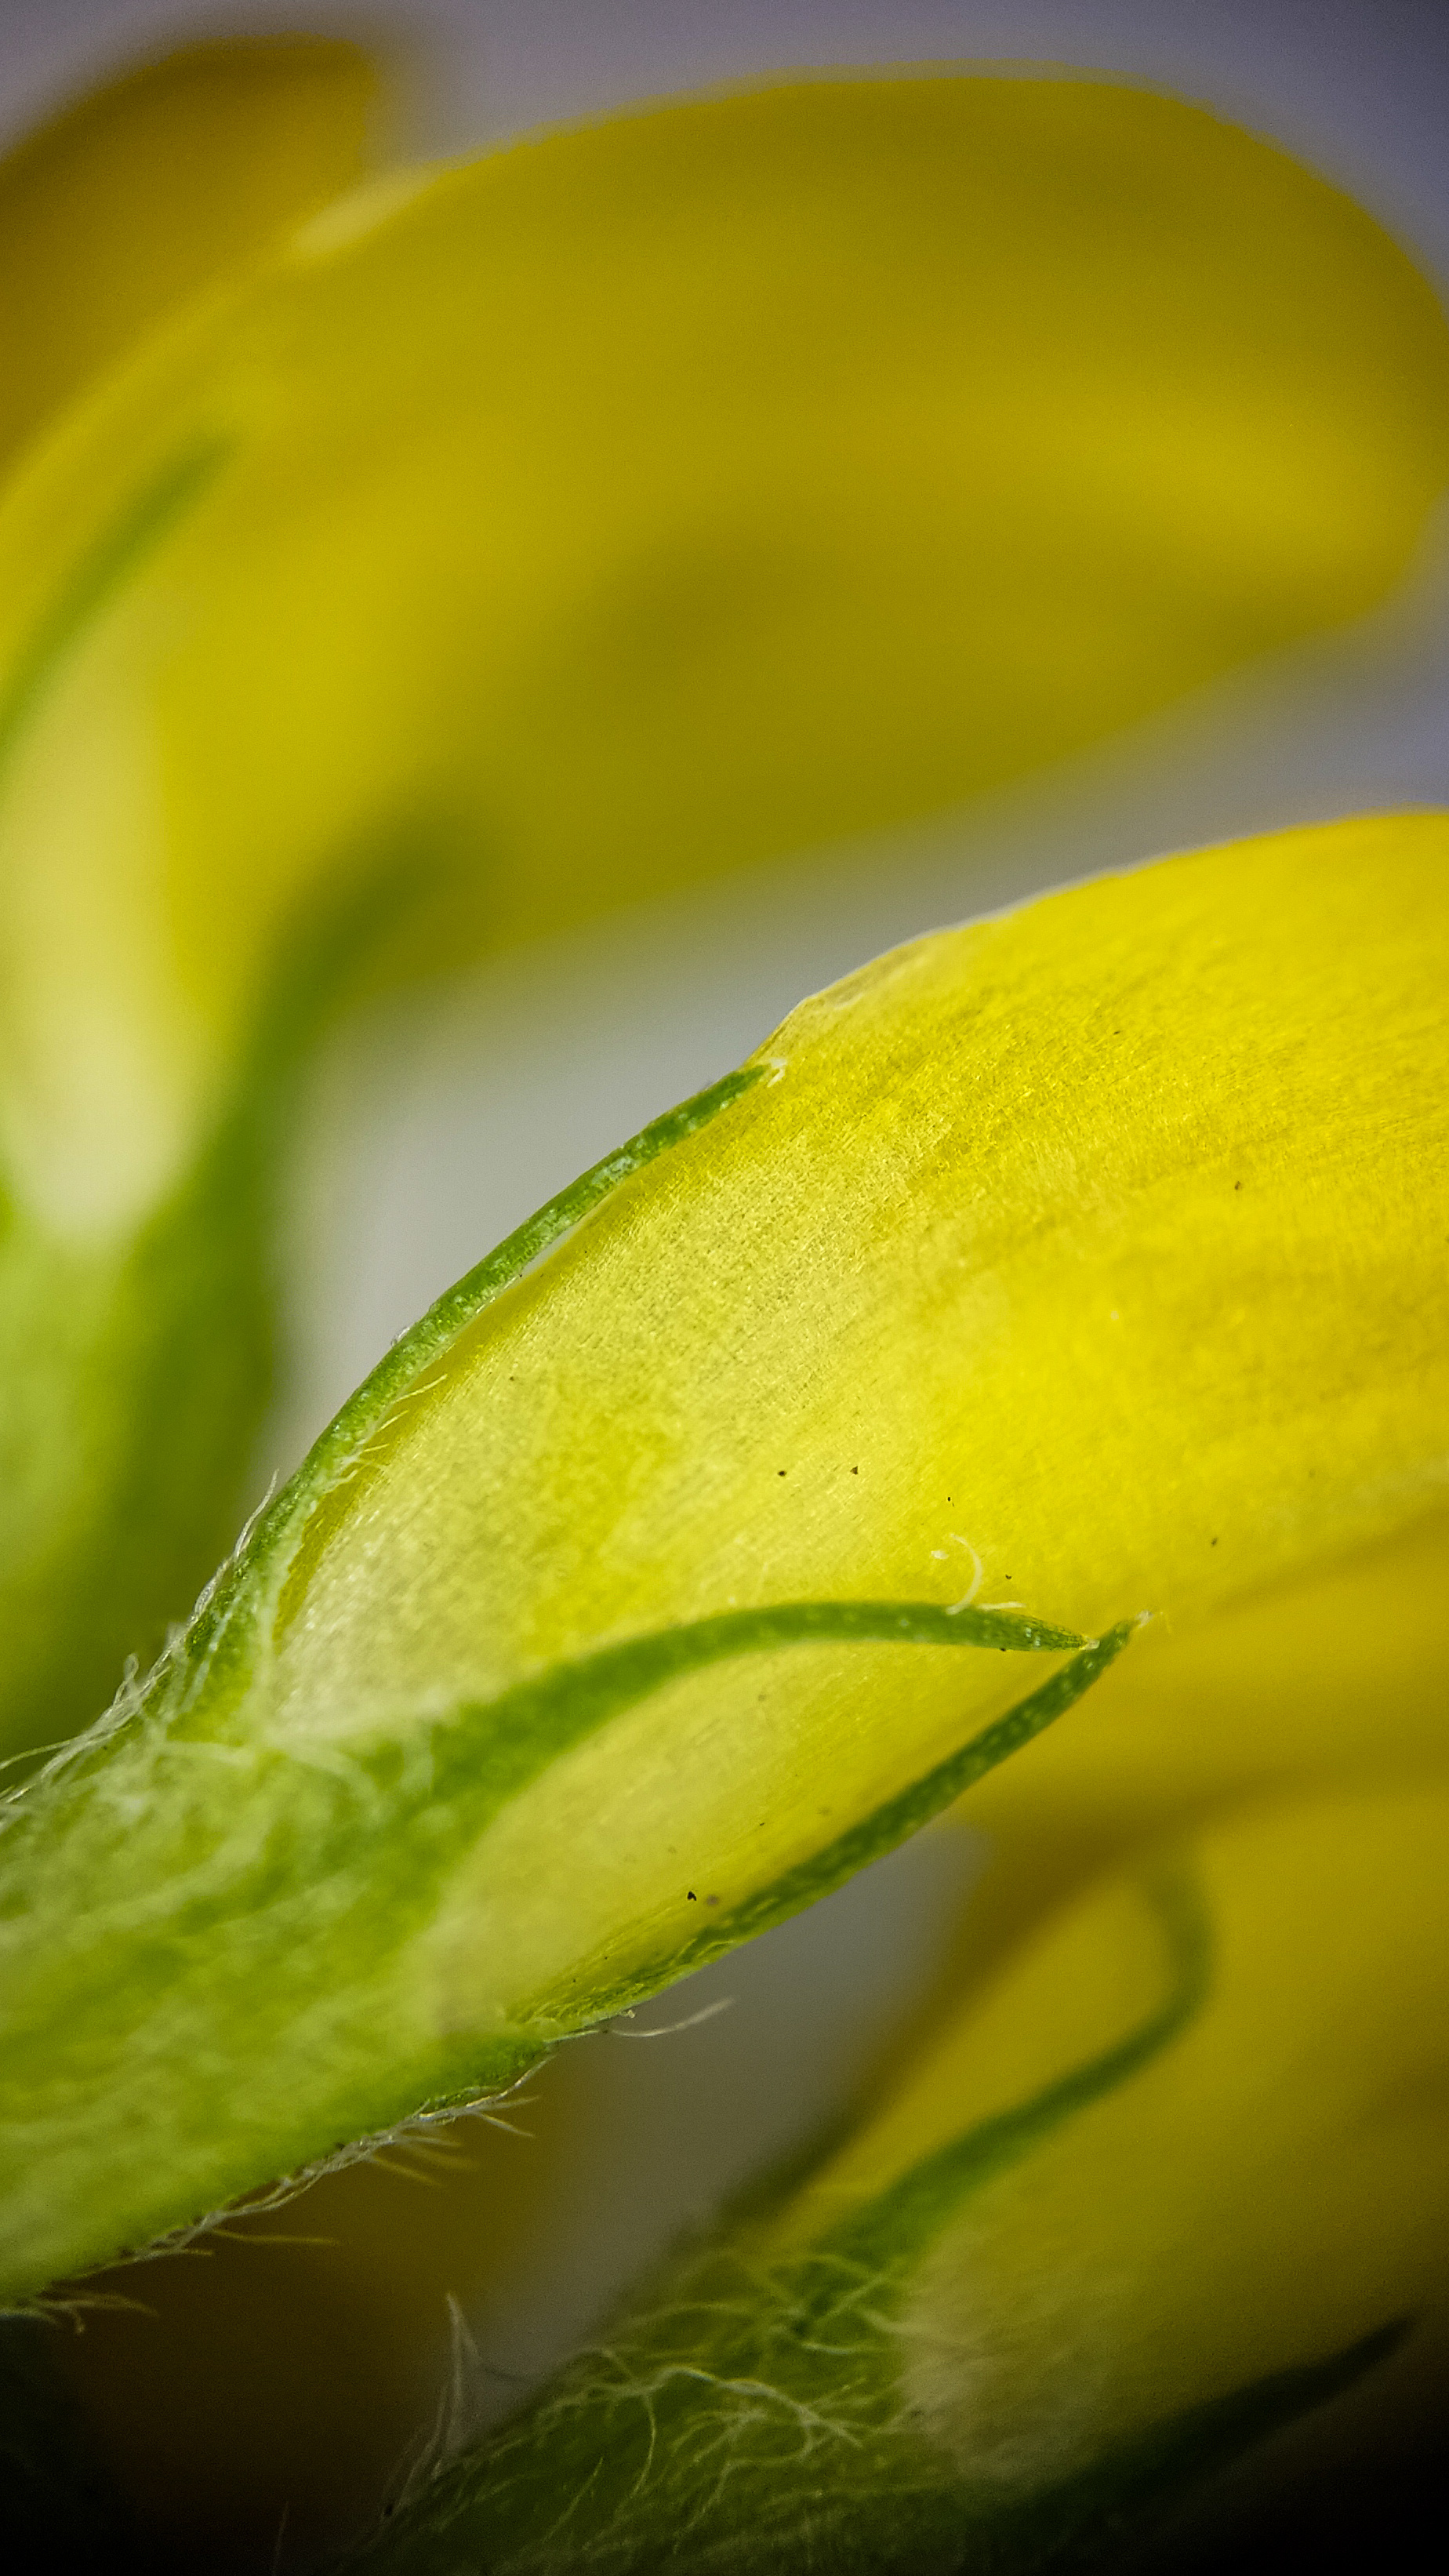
{"type": "Point", "coordinates": [1269, 2189]}
{"type": "Point", "coordinates": [1336, 1678]}
{"type": "Point", "coordinates": [1045, 1253]}
{"type": "Point", "coordinates": [529, 537]}
{"type": "Point", "coordinates": [130, 202]}
{"type": "Point", "coordinates": [652, 499]}
{"type": "Point", "coordinates": [1089, 1258]}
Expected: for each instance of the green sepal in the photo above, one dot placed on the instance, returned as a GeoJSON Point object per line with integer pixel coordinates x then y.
{"type": "Point", "coordinates": [748, 2415]}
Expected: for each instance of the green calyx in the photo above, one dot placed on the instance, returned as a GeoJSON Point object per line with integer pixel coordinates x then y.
{"type": "Point", "coordinates": [754, 2409]}
{"type": "Point", "coordinates": [749, 2413]}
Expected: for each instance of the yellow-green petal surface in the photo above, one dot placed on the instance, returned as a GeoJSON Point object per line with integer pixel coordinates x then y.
{"type": "Point", "coordinates": [1089, 1259]}
{"type": "Point", "coordinates": [1336, 1677]}
{"type": "Point", "coordinates": [530, 536]}
{"type": "Point", "coordinates": [661, 496]}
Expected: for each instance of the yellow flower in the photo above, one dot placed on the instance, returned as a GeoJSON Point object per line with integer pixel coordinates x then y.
{"type": "Point", "coordinates": [500, 549]}
{"type": "Point", "coordinates": [513, 540]}
{"type": "Point", "coordinates": [441, 1769]}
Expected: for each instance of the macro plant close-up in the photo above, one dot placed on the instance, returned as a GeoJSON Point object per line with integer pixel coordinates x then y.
{"type": "Point", "coordinates": [724, 1262]}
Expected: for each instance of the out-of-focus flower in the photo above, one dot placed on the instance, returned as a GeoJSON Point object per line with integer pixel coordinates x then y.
{"type": "Point", "coordinates": [528, 537]}
{"type": "Point", "coordinates": [139, 198]}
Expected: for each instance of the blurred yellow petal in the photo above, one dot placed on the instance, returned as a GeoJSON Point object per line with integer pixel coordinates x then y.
{"type": "Point", "coordinates": [1090, 1259]}
{"type": "Point", "coordinates": [638, 502]}
{"type": "Point", "coordinates": [657, 497]}
{"type": "Point", "coordinates": [1265, 2193]}
{"type": "Point", "coordinates": [130, 202]}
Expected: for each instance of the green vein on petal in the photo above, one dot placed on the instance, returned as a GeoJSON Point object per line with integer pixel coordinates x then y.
{"type": "Point", "coordinates": [364, 1418]}
{"type": "Point", "coordinates": [947, 1300]}
{"type": "Point", "coordinates": [893, 1822]}
{"type": "Point", "coordinates": [905, 2218]}
{"type": "Point", "coordinates": [290, 1892]}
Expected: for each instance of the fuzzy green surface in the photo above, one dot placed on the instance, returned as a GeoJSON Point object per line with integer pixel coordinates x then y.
{"type": "Point", "coordinates": [210, 1971]}
{"type": "Point", "coordinates": [750, 2413]}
